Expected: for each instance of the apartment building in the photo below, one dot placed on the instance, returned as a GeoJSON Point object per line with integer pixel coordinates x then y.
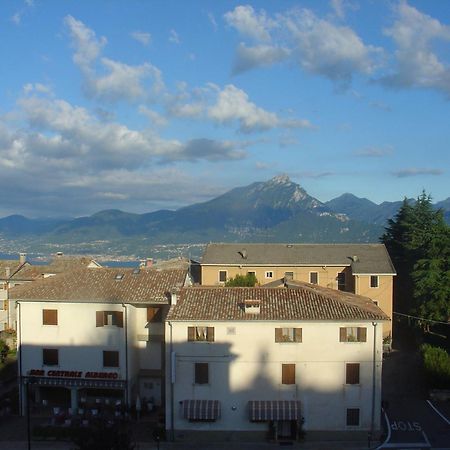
{"type": "Point", "coordinates": [363, 269]}
{"type": "Point", "coordinates": [21, 271]}
{"type": "Point", "coordinates": [258, 362]}
{"type": "Point", "coordinates": [94, 332]}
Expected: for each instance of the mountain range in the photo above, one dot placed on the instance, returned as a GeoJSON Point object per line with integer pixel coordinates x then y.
{"type": "Point", "coordinates": [277, 210]}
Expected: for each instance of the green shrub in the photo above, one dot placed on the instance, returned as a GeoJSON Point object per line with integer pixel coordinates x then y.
{"type": "Point", "coordinates": [436, 362]}
{"type": "Point", "coordinates": [248, 280]}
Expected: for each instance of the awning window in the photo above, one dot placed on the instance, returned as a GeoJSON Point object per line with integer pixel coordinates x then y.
{"type": "Point", "coordinates": [264, 410]}
{"type": "Point", "coordinates": [201, 409]}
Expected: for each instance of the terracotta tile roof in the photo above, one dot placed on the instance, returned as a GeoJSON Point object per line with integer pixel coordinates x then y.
{"type": "Point", "coordinates": [304, 302]}
{"type": "Point", "coordinates": [103, 285]}
{"type": "Point", "coordinates": [370, 258]}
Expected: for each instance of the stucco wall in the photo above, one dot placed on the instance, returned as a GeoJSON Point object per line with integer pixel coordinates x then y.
{"type": "Point", "coordinates": [247, 366]}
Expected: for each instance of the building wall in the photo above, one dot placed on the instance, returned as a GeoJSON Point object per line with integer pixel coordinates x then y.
{"type": "Point", "coordinates": [381, 294]}
{"type": "Point", "coordinates": [245, 364]}
{"type": "Point", "coordinates": [327, 277]}
{"type": "Point", "coordinates": [327, 274]}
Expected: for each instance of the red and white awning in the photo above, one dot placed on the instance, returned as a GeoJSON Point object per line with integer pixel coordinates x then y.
{"type": "Point", "coordinates": [201, 409]}
{"type": "Point", "coordinates": [263, 410]}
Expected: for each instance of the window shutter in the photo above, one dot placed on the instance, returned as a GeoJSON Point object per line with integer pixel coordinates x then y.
{"type": "Point", "coordinates": [297, 334]}
{"type": "Point", "coordinates": [99, 322]}
{"type": "Point", "coordinates": [352, 373]}
{"type": "Point", "coordinates": [343, 334]}
{"type": "Point", "coordinates": [50, 317]}
{"type": "Point", "coordinates": [278, 335]}
{"type": "Point", "coordinates": [288, 374]}
{"type": "Point", "coordinates": [362, 334]}
{"type": "Point", "coordinates": [210, 334]}
{"type": "Point", "coordinates": [119, 318]}
{"type": "Point", "coordinates": [191, 333]}
{"type": "Point", "coordinates": [201, 373]}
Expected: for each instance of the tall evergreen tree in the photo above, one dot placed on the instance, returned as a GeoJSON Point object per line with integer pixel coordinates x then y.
{"type": "Point", "coordinates": [418, 240]}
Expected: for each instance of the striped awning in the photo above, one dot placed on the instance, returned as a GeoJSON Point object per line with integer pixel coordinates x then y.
{"type": "Point", "coordinates": [201, 409]}
{"type": "Point", "coordinates": [263, 410]}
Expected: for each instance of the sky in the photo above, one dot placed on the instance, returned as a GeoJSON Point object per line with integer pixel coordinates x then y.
{"type": "Point", "coordinates": [145, 105]}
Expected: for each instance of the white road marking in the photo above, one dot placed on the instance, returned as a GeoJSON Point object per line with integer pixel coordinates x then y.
{"type": "Point", "coordinates": [388, 438]}
{"type": "Point", "coordinates": [439, 413]}
{"type": "Point", "coordinates": [406, 445]}
{"type": "Point", "coordinates": [426, 439]}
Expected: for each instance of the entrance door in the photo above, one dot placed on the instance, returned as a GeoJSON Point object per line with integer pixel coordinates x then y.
{"type": "Point", "coordinates": [287, 429]}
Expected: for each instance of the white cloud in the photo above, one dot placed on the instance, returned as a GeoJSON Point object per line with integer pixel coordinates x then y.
{"type": "Point", "coordinates": [250, 23]}
{"type": "Point", "coordinates": [233, 104]}
{"type": "Point", "coordinates": [16, 18]}
{"type": "Point", "coordinates": [213, 21]}
{"type": "Point", "coordinates": [87, 46]}
{"type": "Point", "coordinates": [416, 171]}
{"type": "Point", "coordinates": [174, 37]}
{"type": "Point", "coordinates": [142, 37]}
{"type": "Point", "coordinates": [258, 56]}
{"type": "Point", "coordinates": [317, 45]}
{"type": "Point", "coordinates": [121, 81]}
{"type": "Point", "coordinates": [417, 65]}
{"type": "Point", "coordinates": [375, 152]}
{"type": "Point", "coordinates": [323, 48]}
{"type": "Point", "coordinates": [155, 118]}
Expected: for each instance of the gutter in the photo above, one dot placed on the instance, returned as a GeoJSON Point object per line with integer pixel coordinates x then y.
{"type": "Point", "coordinates": [126, 355]}
{"type": "Point", "coordinates": [172, 382]}
{"type": "Point", "coordinates": [19, 346]}
{"type": "Point", "coordinates": [372, 420]}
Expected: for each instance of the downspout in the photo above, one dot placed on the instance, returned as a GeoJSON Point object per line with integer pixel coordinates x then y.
{"type": "Point", "coordinates": [126, 356]}
{"type": "Point", "coordinates": [373, 376]}
{"type": "Point", "coordinates": [172, 382]}
{"type": "Point", "coordinates": [19, 347]}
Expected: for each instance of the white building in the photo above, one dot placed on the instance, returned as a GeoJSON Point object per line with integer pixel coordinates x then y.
{"type": "Point", "coordinates": [94, 334]}
{"type": "Point", "coordinates": [268, 361]}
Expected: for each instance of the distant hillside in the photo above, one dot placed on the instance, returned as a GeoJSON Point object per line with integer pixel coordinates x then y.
{"type": "Point", "coordinates": [277, 210]}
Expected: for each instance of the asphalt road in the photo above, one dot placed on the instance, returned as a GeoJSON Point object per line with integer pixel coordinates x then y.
{"type": "Point", "coordinates": [412, 422]}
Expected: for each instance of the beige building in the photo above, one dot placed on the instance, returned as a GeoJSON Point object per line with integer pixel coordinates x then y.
{"type": "Point", "coordinates": [267, 362]}
{"type": "Point", "coordinates": [363, 269]}
{"type": "Point", "coordinates": [94, 336]}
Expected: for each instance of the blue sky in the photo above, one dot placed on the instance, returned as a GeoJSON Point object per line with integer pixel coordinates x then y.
{"type": "Point", "coordinates": [144, 105]}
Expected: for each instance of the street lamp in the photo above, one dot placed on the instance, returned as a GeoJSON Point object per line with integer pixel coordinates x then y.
{"type": "Point", "coordinates": [27, 382]}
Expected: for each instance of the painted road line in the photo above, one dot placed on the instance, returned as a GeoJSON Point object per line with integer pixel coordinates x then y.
{"type": "Point", "coordinates": [426, 438]}
{"type": "Point", "coordinates": [406, 445]}
{"type": "Point", "coordinates": [439, 413]}
{"type": "Point", "coordinates": [388, 438]}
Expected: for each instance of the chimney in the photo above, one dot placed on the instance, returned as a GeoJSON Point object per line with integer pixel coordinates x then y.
{"type": "Point", "coordinates": [174, 294]}
{"type": "Point", "coordinates": [22, 258]}
{"type": "Point", "coordinates": [149, 262]}
{"type": "Point", "coordinates": [59, 254]}
{"type": "Point", "coordinates": [355, 258]}
{"type": "Point", "coordinates": [8, 271]}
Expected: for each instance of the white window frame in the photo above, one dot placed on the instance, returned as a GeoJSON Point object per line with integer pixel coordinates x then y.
{"type": "Point", "coordinates": [317, 277]}
{"type": "Point", "coordinates": [378, 281]}
{"type": "Point", "coordinates": [226, 276]}
{"type": "Point", "coordinates": [268, 274]}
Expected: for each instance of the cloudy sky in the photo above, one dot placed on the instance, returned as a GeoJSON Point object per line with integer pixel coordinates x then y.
{"type": "Point", "coordinates": [143, 105]}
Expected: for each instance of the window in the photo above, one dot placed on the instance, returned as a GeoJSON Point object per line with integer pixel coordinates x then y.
{"type": "Point", "coordinates": [201, 334]}
{"type": "Point", "coordinates": [288, 275]}
{"type": "Point", "coordinates": [103, 318]}
{"type": "Point", "coordinates": [288, 374]}
{"type": "Point", "coordinates": [50, 356]}
{"type": "Point", "coordinates": [288, 335]}
{"type": "Point", "coordinates": [341, 281]}
{"type": "Point", "coordinates": [154, 314]}
{"type": "Point", "coordinates": [373, 281]}
{"type": "Point", "coordinates": [352, 373]}
{"type": "Point", "coordinates": [353, 334]}
{"type": "Point", "coordinates": [49, 317]}
{"type": "Point", "coordinates": [353, 417]}
{"type": "Point", "coordinates": [222, 276]}
{"type": "Point", "coordinates": [110, 358]}
{"type": "Point", "coordinates": [269, 274]}
{"type": "Point", "coordinates": [201, 373]}
{"type": "Point", "coordinates": [314, 277]}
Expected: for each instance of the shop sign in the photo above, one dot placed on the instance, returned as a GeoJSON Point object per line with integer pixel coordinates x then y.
{"type": "Point", "coordinates": [73, 374]}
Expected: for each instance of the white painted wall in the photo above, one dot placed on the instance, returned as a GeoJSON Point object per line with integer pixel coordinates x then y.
{"type": "Point", "coordinates": [247, 366]}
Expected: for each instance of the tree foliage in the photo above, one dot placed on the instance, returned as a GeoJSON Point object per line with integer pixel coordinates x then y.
{"type": "Point", "coordinates": [418, 241]}
{"type": "Point", "coordinates": [248, 280]}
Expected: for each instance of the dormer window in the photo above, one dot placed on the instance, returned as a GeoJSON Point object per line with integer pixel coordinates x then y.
{"type": "Point", "coordinates": [252, 306]}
